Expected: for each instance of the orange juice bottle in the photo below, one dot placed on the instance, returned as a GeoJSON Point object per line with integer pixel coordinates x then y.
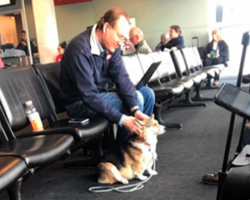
{"type": "Point", "coordinates": [34, 117]}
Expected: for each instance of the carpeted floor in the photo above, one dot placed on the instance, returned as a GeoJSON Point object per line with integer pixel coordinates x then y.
{"type": "Point", "coordinates": [184, 156]}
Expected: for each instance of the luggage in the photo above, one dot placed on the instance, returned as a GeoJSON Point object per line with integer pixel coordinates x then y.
{"type": "Point", "coordinates": [195, 42]}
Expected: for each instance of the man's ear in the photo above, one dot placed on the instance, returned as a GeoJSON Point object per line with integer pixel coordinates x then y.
{"type": "Point", "coordinates": [105, 26]}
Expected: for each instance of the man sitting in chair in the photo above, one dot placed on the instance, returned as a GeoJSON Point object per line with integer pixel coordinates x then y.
{"type": "Point", "coordinates": [136, 37]}
{"type": "Point", "coordinates": [89, 61]}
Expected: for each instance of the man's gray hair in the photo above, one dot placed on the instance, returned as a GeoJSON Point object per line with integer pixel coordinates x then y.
{"type": "Point", "coordinates": [164, 36]}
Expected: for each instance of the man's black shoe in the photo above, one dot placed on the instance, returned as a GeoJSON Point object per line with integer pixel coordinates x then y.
{"type": "Point", "coordinates": [211, 179]}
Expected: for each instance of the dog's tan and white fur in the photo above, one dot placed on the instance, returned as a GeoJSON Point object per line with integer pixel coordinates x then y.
{"type": "Point", "coordinates": [132, 158]}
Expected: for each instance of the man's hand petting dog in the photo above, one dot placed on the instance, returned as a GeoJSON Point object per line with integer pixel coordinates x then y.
{"type": "Point", "coordinates": [141, 116]}
{"type": "Point", "coordinates": [133, 124]}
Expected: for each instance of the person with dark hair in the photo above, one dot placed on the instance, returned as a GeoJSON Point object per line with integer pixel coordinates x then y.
{"type": "Point", "coordinates": [90, 60]}
{"type": "Point", "coordinates": [23, 44]}
{"type": "Point", "coordinates": [216, 52]}
{"type": "Point", "coordinates": [136, 37]}
{"type": "Point", "coordinates": [176, 40]}
{"type": "Point", "coordinates": [61, 48]}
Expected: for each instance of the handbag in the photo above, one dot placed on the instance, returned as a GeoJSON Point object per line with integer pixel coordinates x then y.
{"type": "Point", "coordinates": [213, 54]}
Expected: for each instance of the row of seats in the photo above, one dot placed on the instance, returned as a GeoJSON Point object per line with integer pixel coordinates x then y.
{"type": "Point", "coordinates": [180, 72]}
{"type": "Point", "coordinates": [23, 155]}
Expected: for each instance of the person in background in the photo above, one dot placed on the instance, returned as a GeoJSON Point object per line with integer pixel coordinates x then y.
{"type": "Point", "coordinates": [164, 41]}
{"type": "Point", "coordinates": [1, 62]}
{"type": "Point", "coordinates": [23, 44]}
{"type": "Point", "coordinates": [136, 37]}
{"type": "Point", "coordinates": [176, 40]}
{"type": "Point", "coordinates": [216, 52]}
{"type": "Point", "coordinates": [89, 61]}
{"type": "Point", "coordinates": [61, 48]}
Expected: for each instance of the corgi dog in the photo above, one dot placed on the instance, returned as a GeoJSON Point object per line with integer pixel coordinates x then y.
{"type": "Point", "coordinates": [133, 157]}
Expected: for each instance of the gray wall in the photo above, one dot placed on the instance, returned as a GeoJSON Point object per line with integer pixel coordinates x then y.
{"type": "Point", "coordinates": [153, 16]}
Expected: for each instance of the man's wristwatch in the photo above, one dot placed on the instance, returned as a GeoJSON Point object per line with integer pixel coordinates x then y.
{"type": "Point", "coordinates": [134, 111]}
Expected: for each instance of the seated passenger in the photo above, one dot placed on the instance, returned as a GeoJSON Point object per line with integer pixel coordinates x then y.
{"type": "Point", "coordinates": [89, 61]}
{"type": "Point", "coordinates": [176, 40]}
{"type": "Point", "coordinates": [136, 37]}
{"type": "Point", "coordinates": [61, 48]}
{"type": "Point", "coordinates": [23, 44]}
{"type": "Point", "coordinates": [164, 40]}
{"type": "Point", "coordinates": [216, 52]}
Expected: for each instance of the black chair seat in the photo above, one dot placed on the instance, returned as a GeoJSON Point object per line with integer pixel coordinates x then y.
{"type": "Point", "coordinates": [95, 127]}
{"type": "Point", "coordinates": [186, 81]}
{"type": "Point", "coordinates": [219, 67]}
{"type": "Point", "coordinates": [198, 76]}
{"type": "Point", "coordinates": [173, 87]}
{"type": "Point", "coordinates": [38, 150]}
{"type": "Point", "coordinates": [11, 169]}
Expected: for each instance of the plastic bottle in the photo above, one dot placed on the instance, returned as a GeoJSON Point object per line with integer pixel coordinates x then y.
{"type": "Point", "coordinates": [33, 116]}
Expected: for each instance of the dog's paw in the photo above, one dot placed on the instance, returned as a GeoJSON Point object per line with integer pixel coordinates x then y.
{"type": "Point", "coordinates": [153, 172]}
{"type": "Point", "coordinates": [124, 181]}
{"type": "Point", "coordinates": [141, 177]}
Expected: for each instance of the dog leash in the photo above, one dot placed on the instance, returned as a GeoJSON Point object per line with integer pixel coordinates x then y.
{"type": "Point", "coordinates": [122, 189]}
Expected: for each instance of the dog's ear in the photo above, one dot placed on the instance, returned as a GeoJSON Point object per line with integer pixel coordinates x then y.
{"type": "Point", "coordinates": [152, 116]}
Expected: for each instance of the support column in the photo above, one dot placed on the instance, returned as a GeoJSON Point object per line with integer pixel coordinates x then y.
{"type": "Point", "coordinates": [46, 30]}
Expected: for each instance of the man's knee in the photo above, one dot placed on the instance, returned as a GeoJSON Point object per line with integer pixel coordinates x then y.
{"type": "Point", "coordinates": [148, 94]}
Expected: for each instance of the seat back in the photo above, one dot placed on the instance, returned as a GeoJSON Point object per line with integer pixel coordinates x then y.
{"type": "Point", "coordinates": [49, 74]}
{"type": "Point", "coordinates": [13, 53]}
{"type": "Point", "coordinates": [189, 57]}
{"type": "Point", "coordinates": [3, 135]}
{"type": "Point", "coordinates": [197, 57]}
{"type": "Point", "coordinates": [166, 70]}
{"type": "Point", "coordinates": [179, 62]}
{"type": "Point", "coordinates": [133, 68]}
{"type": "Point", "coordinates": [146, 61]}
{"type": "Point", "coordinates": [17, 86]}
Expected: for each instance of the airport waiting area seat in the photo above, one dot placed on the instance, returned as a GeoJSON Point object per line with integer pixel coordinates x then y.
{"type": "Point", "coordinates": [21, 157]}
{"type": "Point", "coordinates": [136, 65]}
{"type": "Point", "coordinates": [19, 85]}
{"type": "Point", "coordinates": [12, 169]}
{"type": "Point", "coordinates": [39, 149]}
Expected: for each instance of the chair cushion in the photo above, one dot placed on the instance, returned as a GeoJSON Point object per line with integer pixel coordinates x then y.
{"type": "Point", "coordinates": [173, 88]}
{"type": "Point", "coordinates": [38, 150]}
{"type": "Point", "coordinates": [221, 67]}
{"type": "Point", "coordinates": [95, 127]}
{"type": "Point", "coordinates": [11, 169]}
{"type": "Point", "coordinates": [186, 81]}
{"type": "Point", "coordinates": [210, 72]}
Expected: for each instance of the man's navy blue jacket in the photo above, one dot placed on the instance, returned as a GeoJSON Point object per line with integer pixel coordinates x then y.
{"type": "Point", "coordinates": [84, 75]}
{"type": "Point", "coordinates": [175, 42]}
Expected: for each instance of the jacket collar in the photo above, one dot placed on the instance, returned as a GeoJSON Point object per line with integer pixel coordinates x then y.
{"type": "Point", "coordinates": [96, 47]}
